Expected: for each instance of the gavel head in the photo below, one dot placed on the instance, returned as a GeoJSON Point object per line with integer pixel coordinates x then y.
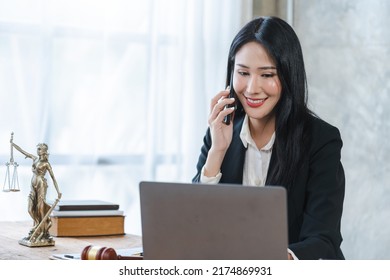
{"type": "Point", "coordinates": [98, 253]}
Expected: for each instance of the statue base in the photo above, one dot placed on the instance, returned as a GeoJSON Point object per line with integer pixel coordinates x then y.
{"type": "Point", "coordinates": [37, 243]}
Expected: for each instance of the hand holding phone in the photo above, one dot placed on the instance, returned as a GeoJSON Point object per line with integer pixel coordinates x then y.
{"type": "Point", "coordinates": [228, 118]}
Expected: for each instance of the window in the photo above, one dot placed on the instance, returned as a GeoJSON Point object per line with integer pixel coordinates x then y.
{"type": "Point", "coordinates": [118, 89]}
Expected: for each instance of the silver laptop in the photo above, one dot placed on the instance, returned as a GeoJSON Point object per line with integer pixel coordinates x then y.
{"type": "Point", "coordinates": [204, 222]}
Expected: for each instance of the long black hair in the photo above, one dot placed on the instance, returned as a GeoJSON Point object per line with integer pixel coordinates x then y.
{"type": "Point", "coordinates": [291, 112]}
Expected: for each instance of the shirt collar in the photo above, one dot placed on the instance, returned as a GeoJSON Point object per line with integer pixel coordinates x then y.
{"type": "Point", "coordinates": [247, 139]}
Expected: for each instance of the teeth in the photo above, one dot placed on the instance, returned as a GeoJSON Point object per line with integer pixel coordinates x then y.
{"type": "Point", "coordinates": [256, 101]}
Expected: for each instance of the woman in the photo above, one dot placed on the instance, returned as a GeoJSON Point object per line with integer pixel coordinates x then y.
{"type": "Point", "coordinates": [274, 139]}
{"type": "Point", "coordinates": [37, 206]}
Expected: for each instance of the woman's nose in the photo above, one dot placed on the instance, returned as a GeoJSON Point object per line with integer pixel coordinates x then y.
{"type": "Point", "coordinates": [254, 85]}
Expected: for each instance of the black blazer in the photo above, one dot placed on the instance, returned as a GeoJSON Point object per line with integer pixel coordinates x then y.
{"type": "Point", "coordinates": [315, 197]}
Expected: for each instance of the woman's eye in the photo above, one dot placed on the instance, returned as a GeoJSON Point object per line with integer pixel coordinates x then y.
{"type": "Point", "coordinates": [243, 73]}
{"type": "Point", "coordinates": [268, 75]}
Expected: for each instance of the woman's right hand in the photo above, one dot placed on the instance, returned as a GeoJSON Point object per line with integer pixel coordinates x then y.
{"type": "Point", "coordinates": [221, 134]}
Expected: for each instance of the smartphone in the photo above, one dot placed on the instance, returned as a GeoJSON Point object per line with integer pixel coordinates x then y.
{"type": "Point", "coordinates": [228, 118]}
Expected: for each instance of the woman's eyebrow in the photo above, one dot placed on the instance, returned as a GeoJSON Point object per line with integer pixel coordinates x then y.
{"type": "Point", "coordinates": [267, 68]}
{"type": "Point", "coordinates": [260, 68]}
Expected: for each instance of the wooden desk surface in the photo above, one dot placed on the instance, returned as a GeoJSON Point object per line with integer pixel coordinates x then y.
{"type": "Point", "coordinates": [12, 232]}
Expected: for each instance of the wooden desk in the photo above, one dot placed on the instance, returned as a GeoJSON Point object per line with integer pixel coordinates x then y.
{"type": "Point", "coordinates": [12, 232]}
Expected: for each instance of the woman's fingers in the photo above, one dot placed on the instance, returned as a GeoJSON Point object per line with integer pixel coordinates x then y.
{"type": "Point", "coordinates": [218, 97]}
{"type": "Point", "coordinates": [218, 108]}
{"type": "Point", "coordinates": [227, 111]}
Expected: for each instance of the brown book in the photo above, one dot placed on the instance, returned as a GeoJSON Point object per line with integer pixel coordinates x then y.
{"type": "Point", "coordinates": [87, 226]}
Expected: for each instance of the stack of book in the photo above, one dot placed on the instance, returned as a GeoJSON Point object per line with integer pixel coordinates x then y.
{"type": "Point", "coordinates": [87, 218]}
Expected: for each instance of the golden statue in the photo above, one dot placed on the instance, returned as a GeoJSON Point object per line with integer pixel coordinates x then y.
{"type": "Point", "coordinates": [38, 209]}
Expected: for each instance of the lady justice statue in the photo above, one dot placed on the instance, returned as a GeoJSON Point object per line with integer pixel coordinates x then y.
{"type": "Point", "coordinates": [38, 209]}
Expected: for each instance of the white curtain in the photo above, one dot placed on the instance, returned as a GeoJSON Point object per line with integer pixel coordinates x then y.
{"type": "Point", "coordinates": [118, 89]}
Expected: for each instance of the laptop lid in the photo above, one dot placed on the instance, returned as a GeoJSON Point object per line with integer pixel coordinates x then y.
{"type": "Point", "coordinates": [203, 221]}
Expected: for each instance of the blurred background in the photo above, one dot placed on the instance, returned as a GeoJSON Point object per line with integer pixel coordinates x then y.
{"type": "Point", "coordinates": [120, 91]}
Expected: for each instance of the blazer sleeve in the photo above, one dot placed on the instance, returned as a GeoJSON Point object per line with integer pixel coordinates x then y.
{"type": "Point", "coordinates": [203, 156]}
{"type": "Point", "coordinates": [322, 203]}
{"type": "Point", "coordinates": [233, 162]}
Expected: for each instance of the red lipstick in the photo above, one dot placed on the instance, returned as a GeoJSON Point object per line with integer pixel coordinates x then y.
{"type": "Point", "coordinates": [254, 103]}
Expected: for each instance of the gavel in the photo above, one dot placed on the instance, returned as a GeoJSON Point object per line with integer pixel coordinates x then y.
{"type": "Point", "coordinates": [105, 253]}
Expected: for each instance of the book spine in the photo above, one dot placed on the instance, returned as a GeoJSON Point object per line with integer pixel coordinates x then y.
{"type": "Point", "coordinates": [85, 207]}
{"type": "Point", "coordinates": [87, 213]}
{"type": "Point", "coordinates": [87, 226]}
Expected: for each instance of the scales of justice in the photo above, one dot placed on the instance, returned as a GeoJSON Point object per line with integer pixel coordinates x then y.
{"type": "Point", "coordinates": [38, 209]}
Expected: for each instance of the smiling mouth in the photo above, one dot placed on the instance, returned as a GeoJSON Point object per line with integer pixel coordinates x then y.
{"type": "Point", "coordinates": [255, 102]}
